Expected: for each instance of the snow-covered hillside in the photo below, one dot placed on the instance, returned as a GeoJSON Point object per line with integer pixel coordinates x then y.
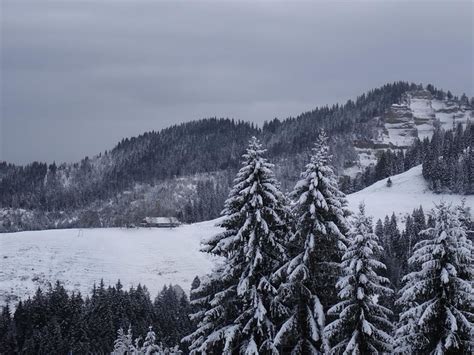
{"type": "Point", "coordinates": [155, 257]}
{"type": "Point", "coordinates": [414, 117]}
{"type": "Point", "coordinates": [408, 191]}
{"type": "Point", "coordinates": [417, 115]}
{"type": "Point", "coordinates": [80, 257]}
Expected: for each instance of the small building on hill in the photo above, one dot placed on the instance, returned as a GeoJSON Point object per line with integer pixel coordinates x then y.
{"type": "Point", "coordinates": [160, 222]}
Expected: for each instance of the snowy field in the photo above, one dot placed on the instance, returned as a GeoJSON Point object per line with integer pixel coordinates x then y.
{"type": "Point", "coordinates": [408, 191]}
{"type": "Point", "coordinates": [155, 257]}
{"type": "Point", "coordinates": [80, 257]}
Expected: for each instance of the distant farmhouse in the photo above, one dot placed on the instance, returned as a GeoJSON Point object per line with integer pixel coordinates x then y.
{"type": "Point", "coordinates": [161, 222]}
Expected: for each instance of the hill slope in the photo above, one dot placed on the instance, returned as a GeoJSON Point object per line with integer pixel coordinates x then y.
{"type": "Point", "coordinates": [409, 190]}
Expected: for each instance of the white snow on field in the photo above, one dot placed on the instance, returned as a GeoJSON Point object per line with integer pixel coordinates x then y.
{"type": "Point", "coordinates": [408, 191]}
{"type": "Point", "coordinates": [79, 257]}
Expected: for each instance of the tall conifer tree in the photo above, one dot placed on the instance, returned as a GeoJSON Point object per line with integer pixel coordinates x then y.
{"type": "Point", "coordinates": [317, 247]}
{"type": "Point", "coordinates": [363, 325]}
{"type": "Point", "coordinates": [239, 318]}
{"type": "Point", "coordinates": [438, 297]}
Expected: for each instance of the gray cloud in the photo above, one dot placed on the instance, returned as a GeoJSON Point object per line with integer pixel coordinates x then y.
{"type": "Point", "coordinates": [78, 76]}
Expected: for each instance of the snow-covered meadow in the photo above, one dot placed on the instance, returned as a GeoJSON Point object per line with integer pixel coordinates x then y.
{"type": "Point", "coordinates": [79, 257]}
{"type": "Point", "coordinates": [154, 256]}
{"type": "Point", "coordinates": [409, 190]}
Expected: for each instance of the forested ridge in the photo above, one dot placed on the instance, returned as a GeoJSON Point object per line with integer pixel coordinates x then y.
{"type": "Point", "coordinates": [54, 321]}
{"type": "Point", "coordinates": [90, 192]}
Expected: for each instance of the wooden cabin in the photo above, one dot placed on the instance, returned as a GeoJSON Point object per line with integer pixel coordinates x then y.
{"type": "Point", "coordinates": [160, 222]}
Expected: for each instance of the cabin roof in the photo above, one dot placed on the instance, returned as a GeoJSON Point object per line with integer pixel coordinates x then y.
{"type": "Point", "coordinates": [161, 220]}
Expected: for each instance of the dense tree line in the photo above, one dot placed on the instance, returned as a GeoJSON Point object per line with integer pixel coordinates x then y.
{"type": "Point", "coordinates": [442, 95]}
{"type": "Point", "coordinates": [56, 322]}
{"type": "Point", "coordinates": [398, 245]}
{"type": "Point", "coordinates": [210, 196]}
{"type": "Point", "coordinates": [195, 147]}
{"type": "Point", "coordinates": [448, 164]}
{"type": "Point", "coordinates": [196, 198]}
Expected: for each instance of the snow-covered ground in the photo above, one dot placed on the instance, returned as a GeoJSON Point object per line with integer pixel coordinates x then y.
{"type": "Point", "coordinates": [417, 117]}
{"type": "Point", "coordinates": [408, 191]}
{"type": "Point", "coordinates": [153, 256]}
{"type": "Point", "coordinates": [80, 257]}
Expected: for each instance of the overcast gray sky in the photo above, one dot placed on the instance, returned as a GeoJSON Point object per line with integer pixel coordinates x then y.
{"type": "Point", "coordinates": [77, 76]}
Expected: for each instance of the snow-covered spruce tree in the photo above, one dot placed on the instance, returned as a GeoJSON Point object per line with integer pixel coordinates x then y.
{"type": "Point", "coordinates": [206, 314]}
{"type": "Point", "coordinates": [316, 248]}
{"type": "Point", "coordinates": [363, 325]}
{"type": "Point", "coordinates": [239, 318]}
{"type": "Point", "coordinates": [149, 345]}
{"type": "Point", "coordinates": [438, 297]}
{"type": "Point", "coordinates": [123, 344]}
